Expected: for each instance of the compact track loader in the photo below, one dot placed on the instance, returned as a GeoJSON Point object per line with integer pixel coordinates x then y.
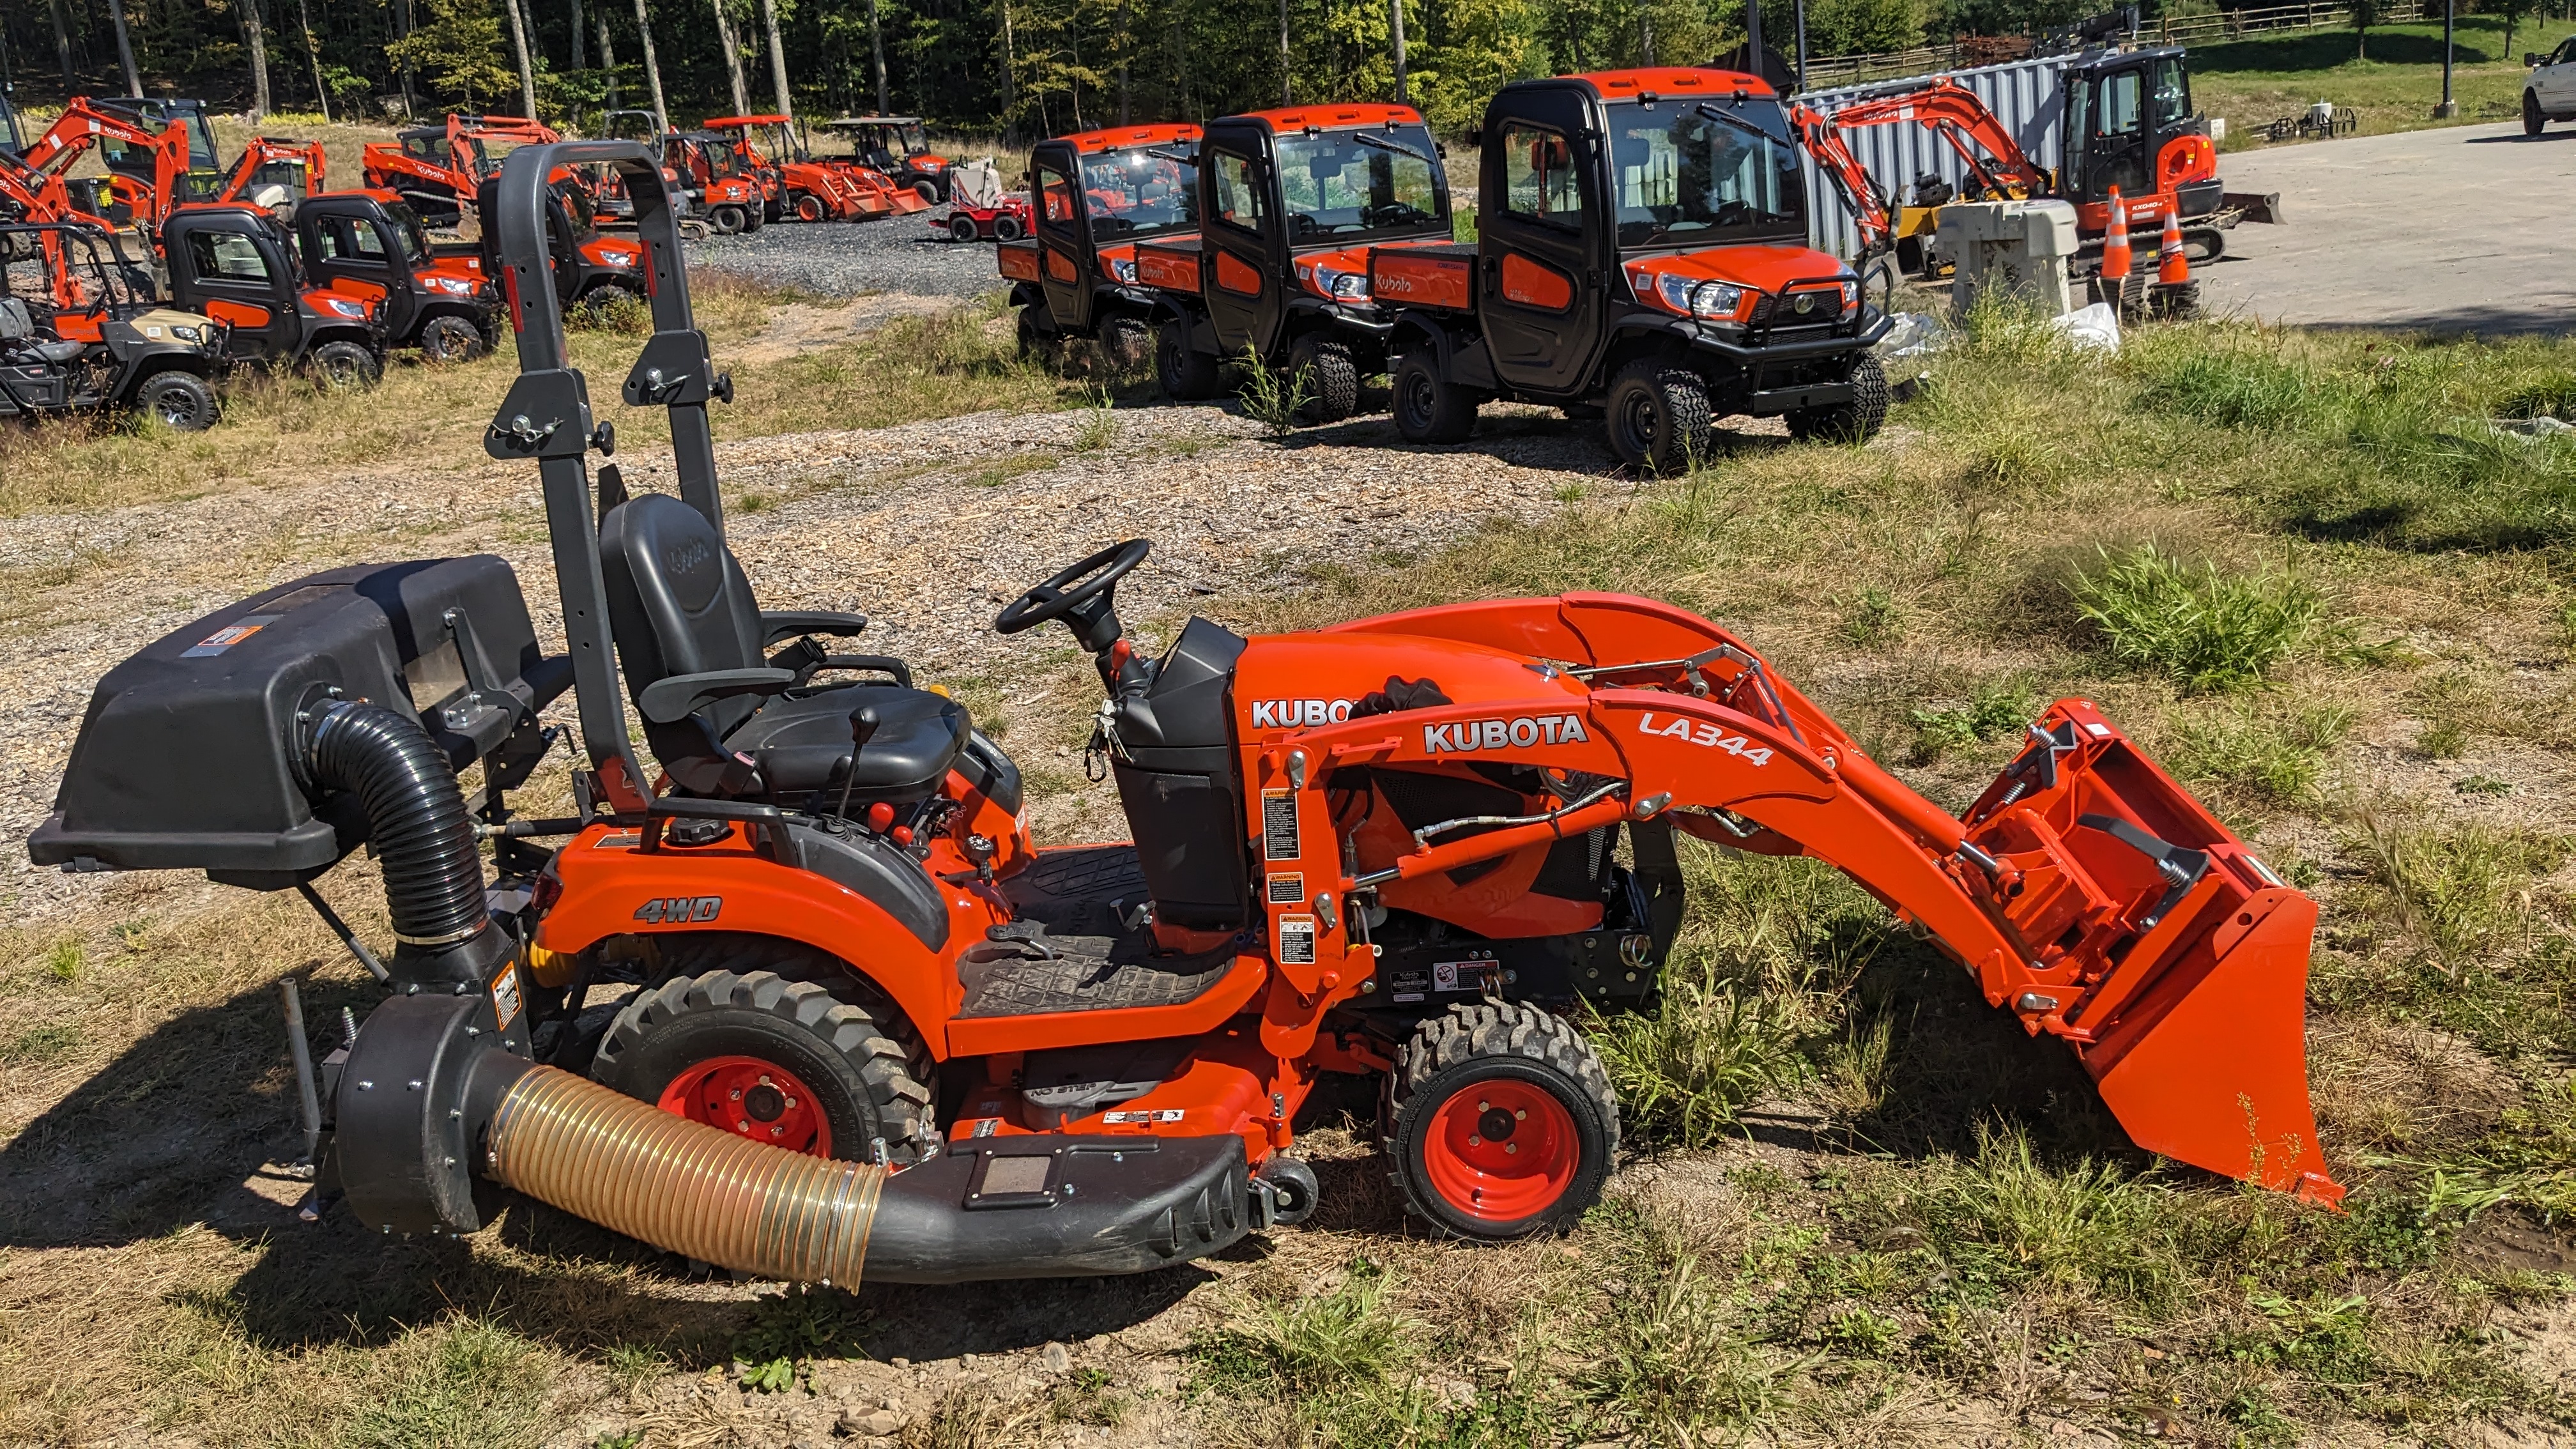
{"type": "Point", "coordinates": [803, 998]}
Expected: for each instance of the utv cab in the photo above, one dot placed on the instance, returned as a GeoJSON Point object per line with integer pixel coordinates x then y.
{"type": "Point", "coordinates": [368, 245]}
{"type": "Point", "coordinates": [1295, 201]}
{"type": "Point", "coordinates": [1099, 195]}
{"type": "Point", "coordinates": [238, 265]}
{"type": "Point", "coordinates": [1641, 249]}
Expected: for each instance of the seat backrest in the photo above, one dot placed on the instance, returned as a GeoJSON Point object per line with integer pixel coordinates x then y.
{"type": "Point", "coordinates": [16, 323]}
{"type": "Point", "coordinates": [677, 604]}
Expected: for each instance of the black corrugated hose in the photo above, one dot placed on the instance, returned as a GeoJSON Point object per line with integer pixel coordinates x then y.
{"type": "Point", "coordinates": [415, 819]}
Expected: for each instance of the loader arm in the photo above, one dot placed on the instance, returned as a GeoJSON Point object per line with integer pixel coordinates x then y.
{"type": "Point", "coordinates": [82, 126]}
{"type": "Point", "coordinates": [1971, 129]}
{"type": "Point", "coordinates": [2087, 891]}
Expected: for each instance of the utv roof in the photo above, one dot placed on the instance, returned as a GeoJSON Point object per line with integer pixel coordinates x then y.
{"type": "Point", "coordinates": [1669, 80]}
{"type": "Point", "coordinates": [1332, 117]}
{"type": "Point", "coordinates": [714, 123]}
{"type": "Point", "coordinates": [1121, 137]}
{"type": "Point", "coordinates": [873, 121]}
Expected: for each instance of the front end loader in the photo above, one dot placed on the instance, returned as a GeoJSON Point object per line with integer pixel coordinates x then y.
{"type": "Point", "coordinates": [806, 1000]}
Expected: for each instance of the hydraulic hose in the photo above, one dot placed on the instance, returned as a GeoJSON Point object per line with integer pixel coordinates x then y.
{"type": "Point", "coordinates": [416, 820]}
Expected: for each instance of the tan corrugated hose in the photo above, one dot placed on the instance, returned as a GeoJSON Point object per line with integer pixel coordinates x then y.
{"type": "Point", "coordinates": [681, 1185]}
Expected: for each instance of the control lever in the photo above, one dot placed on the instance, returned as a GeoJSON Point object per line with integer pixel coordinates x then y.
{"type": "Point", "coordinates": [863, 727]}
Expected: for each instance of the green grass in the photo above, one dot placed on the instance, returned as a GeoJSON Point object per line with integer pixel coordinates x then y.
{"type": "Point", "coordinates": [2254, 81]}
{"type": "Point", "coordinates": [2206, 630]}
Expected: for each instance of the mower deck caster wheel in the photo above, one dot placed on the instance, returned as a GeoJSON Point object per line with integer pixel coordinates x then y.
{"type": "Point", "coordinates": [1658, 417]}
{"type": "Point", "coordinates": [345, 364]}
{"type": "Point", "coordinates": [773, 1060]}
{"type": "Point", "coordinates": [1500, 1121]}
{"type": "Point", "coordinates": [1332, 379]}
{"type": "Point", "coordinates": [1293, 1189]}
{"type": "Point", "coordinates": [1186, 374]}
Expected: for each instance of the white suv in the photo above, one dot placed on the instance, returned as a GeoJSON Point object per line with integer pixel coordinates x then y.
{"type": "Point", "coordinates": [2550, 93]}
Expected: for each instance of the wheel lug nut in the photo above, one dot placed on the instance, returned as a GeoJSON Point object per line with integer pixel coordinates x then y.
{"type": "Point", "coordinates": [1510, 1147]}
{"type": "Point", "coordinates": [1475, 1141]}
{"type": "Point", "coordinates": [1520, 1115]}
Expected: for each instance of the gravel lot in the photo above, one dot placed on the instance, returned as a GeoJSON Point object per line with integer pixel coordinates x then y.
{"type": "Point", "coordinates": [846, 259]}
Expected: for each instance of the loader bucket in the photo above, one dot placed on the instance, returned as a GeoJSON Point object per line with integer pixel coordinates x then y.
{"type": "Point", "coordinates": [2154, 942]}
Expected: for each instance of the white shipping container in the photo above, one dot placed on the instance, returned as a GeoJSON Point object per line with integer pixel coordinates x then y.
{"type": "Point", "coordinates": [2026, 95]}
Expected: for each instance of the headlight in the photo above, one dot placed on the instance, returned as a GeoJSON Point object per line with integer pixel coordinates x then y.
{"type": "Point", "coordinates": [1710, 301]}
{"type": "Point", "coordinates": [1122, 269]}
{"type": "Point", "coordinates": [618, 259]}
{"type": "Point", "coordinates": [1851, 297]}
{"type": "Point", "coordinates": [187, 334]}
{"type": "Point", "coordinates": [453, 286]}
{"type": "Point", "coordinates": [346, 309]}
{"type": "Point", "coordinates": [1342, 286]}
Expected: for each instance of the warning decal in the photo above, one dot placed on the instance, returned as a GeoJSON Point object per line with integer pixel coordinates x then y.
{"type": "Point", "coordinates": [1279, 825]}
{"type": "Point", "coordinates": [1287, 890]}
{"type": "Point", "coordinates": [1297, 940]}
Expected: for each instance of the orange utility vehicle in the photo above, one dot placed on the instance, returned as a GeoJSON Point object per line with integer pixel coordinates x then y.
{"type": "Point", "coordinates": [1099, 195]}
{"type": "Point", "coordinates": [1641, 248]}
{"type": "Point", "coordinates": [368, 245]}
{"type": "Point", "coordinates": [796, 186]}
{"type": "Point", "coordinates": [239, 265]}
{"type": "Point", "coordinates": [1293, 203]}
{"type": "Point", "coordinates": [711, 168]}
{"type": "Point", "coordinates": [803, 998]}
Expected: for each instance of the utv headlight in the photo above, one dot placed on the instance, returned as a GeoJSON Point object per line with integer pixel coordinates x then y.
{"type": "Point", "coordinates": [187, 334]}
{"type": "Point", "coordinates": [1709, 301]}
{"type": "Point", "coordinates": [346, 309]}
{"type": "Point", "coordinates": [618, 259]}
{"type": "Point", "coordinates": [1342, 286]}
{"type": "Point", "coordinates": [1123, 269]}
{"type": "Point", "coordinates": [453, 286]}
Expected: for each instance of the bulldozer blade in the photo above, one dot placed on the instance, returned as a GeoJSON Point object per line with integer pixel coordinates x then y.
{"type": "Point", "coordinates": [2159, 946]}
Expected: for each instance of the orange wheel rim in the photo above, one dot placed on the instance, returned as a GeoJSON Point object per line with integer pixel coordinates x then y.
{"type": "Point", "coordinates": [751, 1098]}
{"type": "Point", "coordinates": [1501, 1150]}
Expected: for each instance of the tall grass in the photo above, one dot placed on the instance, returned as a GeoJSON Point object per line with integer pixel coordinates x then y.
{"type": "Point", "coordinates": [2208, 631]}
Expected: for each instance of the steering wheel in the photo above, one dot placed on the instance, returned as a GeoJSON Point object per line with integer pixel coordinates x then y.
{"type": "Point", "coordinates": [1070, 594]}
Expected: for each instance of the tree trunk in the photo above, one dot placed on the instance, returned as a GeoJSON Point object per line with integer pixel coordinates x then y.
{"type": "Point", "coordinates": [1283, 52]}
{"type": "Point", "coordinates": [777, 55]}
{"type": "Point", "coordinates": [125, 50]}
{"type": "Point", "coordinates": [63, 50]}
{"type": "Point", "coordinates": [1395, 18]}
{"type": "Point", "coordinates": [519, 44]}
{"type": "Point", "coordinates": [732, 58]}
{"type": "Point", "coordinates": [876, 39]}
{"type": "Point", "coordinates": [578, 63]}
{"type": "Point", "coordinates": [313, 55]}
{"type": "Point", "coordinates": [652, 69]}
{"type": "Point", "coordinates": [607, 53]}
{"type": "Point", "coordinates": [1125, 38]}
{"type": "Point", "coordinates": [410, 73]}
{"type": "Point", "coordinates": [256, 35]}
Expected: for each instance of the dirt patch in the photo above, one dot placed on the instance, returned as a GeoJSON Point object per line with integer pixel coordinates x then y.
{"type": "Point", "coordinates": [801, 327]}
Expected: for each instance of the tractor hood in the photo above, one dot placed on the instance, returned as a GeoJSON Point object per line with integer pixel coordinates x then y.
{"type": "Point", "coordinates": [1303, 681]}
{"type": "Point", "coordinates": [1726, 284]}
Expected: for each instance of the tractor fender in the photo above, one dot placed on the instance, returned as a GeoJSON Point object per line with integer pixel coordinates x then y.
{"type": "Point", "coordinates": [624, 892]}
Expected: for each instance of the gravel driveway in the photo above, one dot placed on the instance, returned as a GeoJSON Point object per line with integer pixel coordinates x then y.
{"type": "Point", "coordinates": [845, 259]}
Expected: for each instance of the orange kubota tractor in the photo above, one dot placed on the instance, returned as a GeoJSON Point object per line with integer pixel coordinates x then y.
{"type": "Point", "coordinates": [1099, 195]}
{"type": "Point", "coordinates": [804, 998]}
{"type": "Point", "coordinates": [2129, 124]}
{"type": "Point", "coordinates": [1642, 249]}
{"type": "Point", "coordinates": [1294, 202]}
{"type": "Point", "coordinates": [798, 187]}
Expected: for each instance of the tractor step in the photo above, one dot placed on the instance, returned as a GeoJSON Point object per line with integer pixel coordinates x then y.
{"type": "Point", "coordinates": [1026, 969]}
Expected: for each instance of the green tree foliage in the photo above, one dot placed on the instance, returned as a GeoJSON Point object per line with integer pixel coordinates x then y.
{"type": "Point", "coordinates": [459, 51]}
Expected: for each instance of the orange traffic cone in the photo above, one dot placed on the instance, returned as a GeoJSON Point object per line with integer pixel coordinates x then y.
{"type": "Point", "coordinates": [2116, 254]}
{"type": "Point", "coordinates": [2173, 269]}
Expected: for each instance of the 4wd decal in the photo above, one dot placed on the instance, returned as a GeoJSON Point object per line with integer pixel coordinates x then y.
{"type": "Point", "coordinates": [1706, 735]}
{"type": "Point", "coordinates": [673, 910]}
{"type": "Point", "coordinates": [1497, 734]}
{"type": "Point", "coordinates": [1292, 714]}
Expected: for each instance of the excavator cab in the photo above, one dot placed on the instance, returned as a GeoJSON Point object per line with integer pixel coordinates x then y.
{"type": "Point", "coordinates": [2130, 124]}
{"type": "Point", "coordinates": [205, 174]}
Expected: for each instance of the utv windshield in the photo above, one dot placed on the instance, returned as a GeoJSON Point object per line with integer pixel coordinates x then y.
{"type": "Point", "coordinates": [415, 237]}
{"type": "Point", "coordinates": [1135, 194]}
{"type": "Point", "coordinates": [1351, 183]}
{"type": "Point", "coordinates": [1701, 173]}
{"type": "Point", "coordinates": [156, 117]}
{"type": "Point", "coordinates": [489, 149]}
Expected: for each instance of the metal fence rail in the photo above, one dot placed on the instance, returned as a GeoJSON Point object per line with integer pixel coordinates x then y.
{"type": "Point", "coordinates": [1843, 70]}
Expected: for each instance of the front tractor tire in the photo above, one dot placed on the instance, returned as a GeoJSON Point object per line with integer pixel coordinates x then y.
{"type": "Point", "coordinates": [774, 1060]}
{"type": "Point", "coordinates": [180, 401]}
{"type": "Point", "coordinates": [728, 220]}
{"type": "Point", "coordinates": [1185, 373]}
{"type": "Point", "coordinates": [1429, 408]}
{"type": "Point", "coordinates": [1332, 379]}
{"type": "Point", "coordinates": [1500, 1121]}
{"type": "Point", "coordinates": [1658, 417]}
{"type": "Point", "coordinates": [1856, 421]}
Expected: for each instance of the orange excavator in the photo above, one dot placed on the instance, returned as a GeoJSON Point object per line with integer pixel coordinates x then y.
{"type": "Point", "coordinates": [437, 168]}
{"type": "Point", "coordinates": [2129, 126]}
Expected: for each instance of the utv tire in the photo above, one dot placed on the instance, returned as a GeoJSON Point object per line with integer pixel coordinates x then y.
{"type": "Point", "coordinates": [1006, 227]}
{"type": "Point", "coordinates": [180, 401]}
{"type": "Point", "coordinates": [1040, 346]}
{"type": "Point", "coordinates": [2532, 119]}
{"type": "Point", "coordinates": [1856, 421]}
{"type": "Point", "coordinates": [1658, 417]}
{"type": "Point", "coordinates": [451, 339]}
{"type": "Point", "coordinates": [1430, 408]}
{"type": "Point", "coordinates": [773, 1060]}
{"type": "Point", "coordinates": [728, 220]}
{"type": "Point", "coordinates": [1332, 379]}
{"type": "Point", "coordinates": [1500, 1122]}
{"type": "Point", "coordinates": [961, 227]}
{"type": "Point", "coordinates": [1186, 374]}
{"type": "Point", "coordinates": [345, 364]}
{"type": "Point", "coordinates": [1126, 342]}
{"type": "Point", "coordinates": [929, 192]}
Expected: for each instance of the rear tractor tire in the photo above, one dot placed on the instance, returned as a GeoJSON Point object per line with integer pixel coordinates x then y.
{"type": "Point", "coordinates": [1332, 379]}
{"type": "Point", "coordinates": [451, 339]}
{"type": "Point", "coordinates": [777, 1061]}
{"type": "Point", "coordinates": [1856, 421]}
{"type": "Point", "coordinates": [1429, 408]}
{"type": "Point", "coordinates": [728, 220]}
{"type": "Point", "coordinates": [1500, 1122]}
{"type": "Point", "coordinates": [1186, 374]}
{"type": "Point", "coordinates": [1658, 417]}
{"type": "Point", "coordinates": [342, 363]}
{"type": "Point", "coordinates": [180, 401]}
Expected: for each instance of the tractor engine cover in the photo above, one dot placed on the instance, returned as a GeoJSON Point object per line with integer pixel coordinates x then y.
{"type": "Point", "coordinates": [190, 756]}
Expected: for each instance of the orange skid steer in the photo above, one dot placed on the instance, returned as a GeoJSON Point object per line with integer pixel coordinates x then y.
{"type": "Point", "coordinates": [807, 1000]}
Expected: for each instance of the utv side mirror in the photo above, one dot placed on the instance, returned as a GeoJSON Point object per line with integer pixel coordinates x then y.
{"type": "Point", "coordinates": [2531, 58]}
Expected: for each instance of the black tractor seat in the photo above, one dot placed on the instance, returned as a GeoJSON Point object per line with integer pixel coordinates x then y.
{"type": "Point", "coordinates": [727, 721]}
